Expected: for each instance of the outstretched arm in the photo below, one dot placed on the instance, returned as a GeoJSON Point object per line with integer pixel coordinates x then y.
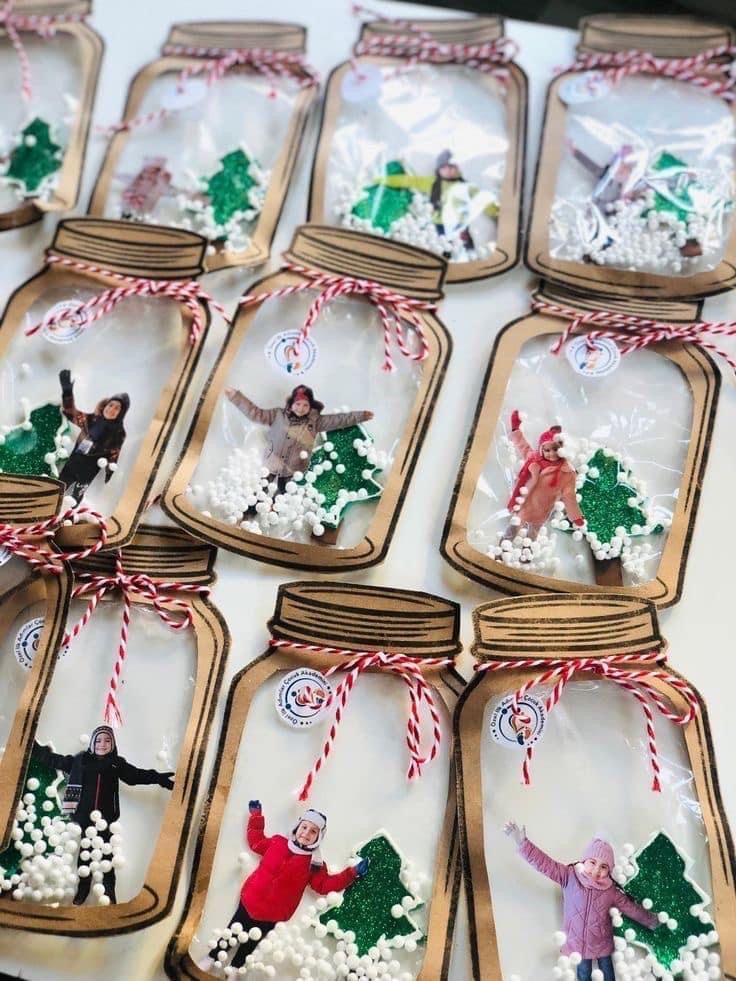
{"type": "Point", "coordinates": [629, 907]}
{"type": "Point", "coordinates": [341, 420]}
{"type": "Point", "coordinates": [517, 436]}
{"type": "Point", "coordinates": [68, 406]}
{"type": "Point", "coordinates": [48, 757]}
{"type": "Point", "coordinates": [263, 416]}
{"type": "Point", "coordinates": [538, 859]}
{"type": "Point", "coordinates": [255, 837]}
{"type": "Point", "coordinates": [323, 882]}
{"type": "Point", "coordinates": [135, 776]}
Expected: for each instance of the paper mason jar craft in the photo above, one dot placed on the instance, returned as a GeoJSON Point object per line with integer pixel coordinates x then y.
{"type": "Point", "coordinates": [306, 437]}
{"type": "Point", "coordinates": [635, 183]}
{"type": "Point", "coordinates": [50, 60]}
{"type": "Point", "coordinates": [97, 352]}
{"type": "Point", "coordinates": [113, 772]}
{"type": "Point", "coordinates": [588, 449]}
{"type": "Point", "coordinates": [210, 136]}
{"type": "Point", "coordinates": [386, 167]}
{"type": "Point", "coordinates": [357, 886]}
{"type": "Point", "coordinates": [592, 828]}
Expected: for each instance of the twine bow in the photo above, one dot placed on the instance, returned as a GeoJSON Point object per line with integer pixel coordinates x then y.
{"type": "Point", "coordinates": [175, 613]}
{"type": "Point", "coordinates": [632, 333]}
{"type": "Point", "coordinates": [709, 70]}
{"type": "Point", "coordinates": [188, 292]}
{"type": "Point", "coordinates": [409, 669]}
{"type": "Point", "coordinates": [393, 308]}
{"type": "Point", "coordinates": [614, 667]}
{"type": "Point", "coordinates": [23, 540]}
{"type": "Point", "coordinates": [265, 61]}
{"type": "Point", "coordinates": [44, 26]}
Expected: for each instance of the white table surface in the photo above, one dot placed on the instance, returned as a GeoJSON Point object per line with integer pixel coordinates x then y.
{"type": "Point", "coordinates": [699, 628]}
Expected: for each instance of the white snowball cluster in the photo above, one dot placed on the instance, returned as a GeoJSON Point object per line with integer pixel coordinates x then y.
{"type": "Point", "coordinates": [416, 227]}
{"type": "Point", "coordinates": [522, 552]}
{"type": "Point", "coordinates": [696, 962]}
{"type": "Point", "coordinates": [98, 856]}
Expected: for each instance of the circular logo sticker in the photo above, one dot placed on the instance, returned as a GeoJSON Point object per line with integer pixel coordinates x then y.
{"type": "Point", "coordinates": [593, 358]}
{"type": "Point", "coordinates": [26, 643]}
{"type": "Point", "coordinates": [69, 325]}
{"type": "Point", "coordinates": [584, 87]}
{"type": "Point", "coordinates": [301, 697]}
{"type": "Point", "coordinates": [185, 95]}
{"type": "Point", "coordinates": [518, 725]}
{"type": "Point", "coordinates": [362, 84]}
{"type": "Point", "coordinates": [290, 355]}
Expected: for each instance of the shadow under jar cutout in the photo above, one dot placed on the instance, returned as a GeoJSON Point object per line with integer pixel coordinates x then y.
{"type": "Point", "coordinates": [395, 855]}
{"type": "Point", "coordinates": [186, 155]}
{"type": "Point", "coordinates": [49, 64]}
{"type": "Point", "coordinates": [585, 463]}
{"type": "Point", "coordinates": [574, 695]}
{"type": "Point", "coordinates": [635, 183]}
{"type": "Point", "coordinates": [385, 166]}
{"type": "Point", "coordinates": [98, 350]}
{"type": "Point", "coordinates": [114, 769]}
{"type": "Point", "coordinates": [304, 443]}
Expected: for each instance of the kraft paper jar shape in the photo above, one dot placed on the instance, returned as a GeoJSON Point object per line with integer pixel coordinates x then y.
{"type": "Point", "coordinates": [33, 606]}
{"type": "Point", "coordinates": [360, 797]}
{"type": "Point", "coordinates": [634, 191]}
{"type": "Point", "coordinates": [616, 507]}
{"type": "Point", "coordinates": [120, 743]}
{"type": "Point", "coordinates": [304, 444]}
{"type": "Point", "coordinates": [96, 377]}
{"type": "Point", "coordinates": [450, 180]}
{"type": "Point", "coordinates": [591, 759]}
{"type": "Point", "coordinates": [50, 60]}
{"type": "Point", "coordinates": [210, 135]}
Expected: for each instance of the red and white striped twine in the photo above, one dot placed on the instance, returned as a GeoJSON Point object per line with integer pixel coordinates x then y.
{"type": "Point", "coordinates": [709, 70]}
{"type": "Point", "coordinates": [175, 613]}
{"type": "Point", "coordinates": [23, 540]}
{"type": "Point", "coordinates": [418, 46]}
{"type": "Point", "coordinates": [615, 668]}
{"type": "Point", "coordinates": [265, 61]}
{"type": "Point", "coordinates": [409, 669]}
{"type": "Point", "coordinates": [44, 26]}
{"type": "Point", "coordinates": [632, 333]}
{"type": "Point", "coordinates": [393, 308]}
{"type": "Point", "coordinates": [188, 292]}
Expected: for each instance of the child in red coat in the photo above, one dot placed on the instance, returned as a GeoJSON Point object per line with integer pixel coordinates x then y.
{"type": "Point", "coordinates": [272, 892]}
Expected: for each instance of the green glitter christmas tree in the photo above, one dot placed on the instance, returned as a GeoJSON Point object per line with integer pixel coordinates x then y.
{"type": "Point", "coordinates": [381, 205]}
{"type": "Point", "coordinates": [368, 906]}
{"type": "Point", "coordinates": [47, 800]}
{"type": "Point", "coordinates": [228, 190]}
{"type": "Point", "coordinates": [662, 878]}
{"type": "Point", "coordinates": [35, 158]}
{"type": "Point", "coordinates": [340, 470]}
{"type": "Point", "coordinates": [24, 450]}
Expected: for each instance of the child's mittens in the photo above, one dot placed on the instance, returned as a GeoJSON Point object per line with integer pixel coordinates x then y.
{"type": "Point", "coordinates": [362, 867]}
{"type": "Point", "coordinates": [254, 806]}
{"type": "Point", "coordinates": [515, 421]}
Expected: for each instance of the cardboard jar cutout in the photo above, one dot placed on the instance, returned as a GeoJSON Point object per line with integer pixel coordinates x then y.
{"type": "Point", "coordinates": [306, 437]}
{"type": "Point", "coordinates": [588, 450]}
{"type": "Point", "coordinates": [50, 60]}
{"type": "Point", "coordinates": [88, 856]}
{"type": "Point", "coordinates": [186, 155]}
{"type": "Point", "coordinates": [277, 880]}
{"type": "Point", "coordinates": [388, 169]}
{"type": "Point", "coordinates": [98, 350]}
{"type": "Point", "coordinates": [635, 185]}
{"type": "Point", "coordinates": [588, 798]}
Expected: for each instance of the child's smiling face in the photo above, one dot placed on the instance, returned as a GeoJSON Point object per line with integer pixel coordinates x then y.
{"type": "Point", "coordinates": [300, 407]}
{"type": "Point", "coordinates": [597, 870]}
{"type": "Point", "coordinates": [306, 834]}
{"type": "Point", "coordinates": [550, 451]}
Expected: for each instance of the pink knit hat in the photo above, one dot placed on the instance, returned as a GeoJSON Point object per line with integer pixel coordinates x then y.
{"type": "Point", "coordinates": [600, 849]}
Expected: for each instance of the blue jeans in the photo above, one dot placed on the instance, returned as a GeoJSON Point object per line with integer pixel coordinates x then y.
{"type": "Point", "coordinates": [605, 964]}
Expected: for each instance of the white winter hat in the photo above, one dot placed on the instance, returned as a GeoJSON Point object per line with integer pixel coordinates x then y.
{"type": "Point", "coordinates": [315, 817]}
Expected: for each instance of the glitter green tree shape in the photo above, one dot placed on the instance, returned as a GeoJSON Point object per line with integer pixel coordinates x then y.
{"type": "Point", "coordinates": [382, 205]}
{"type": "Point", "coordinates": [229, 189]}
{"type": "Point", "coordinates": [374, 906]}
{"type": "Point", "coordinates": [344, 475]}
{"type": "Point", "coordinates": [614, 511]}
{"type": "Point", "coordinates": [25, 450]}
{"type": "Point", "coordinates": [35, 157]}
{"type": "Point", "coordinates": [662, 878]}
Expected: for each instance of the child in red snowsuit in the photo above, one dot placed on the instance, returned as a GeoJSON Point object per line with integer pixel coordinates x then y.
{"type": "Point", "coordinates": [272, 892]}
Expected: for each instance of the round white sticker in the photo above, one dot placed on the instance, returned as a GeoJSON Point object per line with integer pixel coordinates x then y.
{"type": "Point", "coordinates": [301, 698]}
{"type": "Point", "coordinates": [72, 321]}
{"type": "Point", "coordinates": [290, 355]}
{"type": "Point", "coordinates": [362, 84]}
{"type": "Point", "coordinates": [593, 358]}
{"type": "Point", "coordinates": [190, 93]}
{"type": "Point", "coordinates": [584, 87]}
{"type": "Point", "coordinates": [519, 725]}
{"type": "Point", "coordinates": [27, 640]}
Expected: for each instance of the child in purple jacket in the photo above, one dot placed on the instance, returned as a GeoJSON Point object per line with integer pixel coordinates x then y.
{"type": "Point", "coordinates": [588, 895]}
